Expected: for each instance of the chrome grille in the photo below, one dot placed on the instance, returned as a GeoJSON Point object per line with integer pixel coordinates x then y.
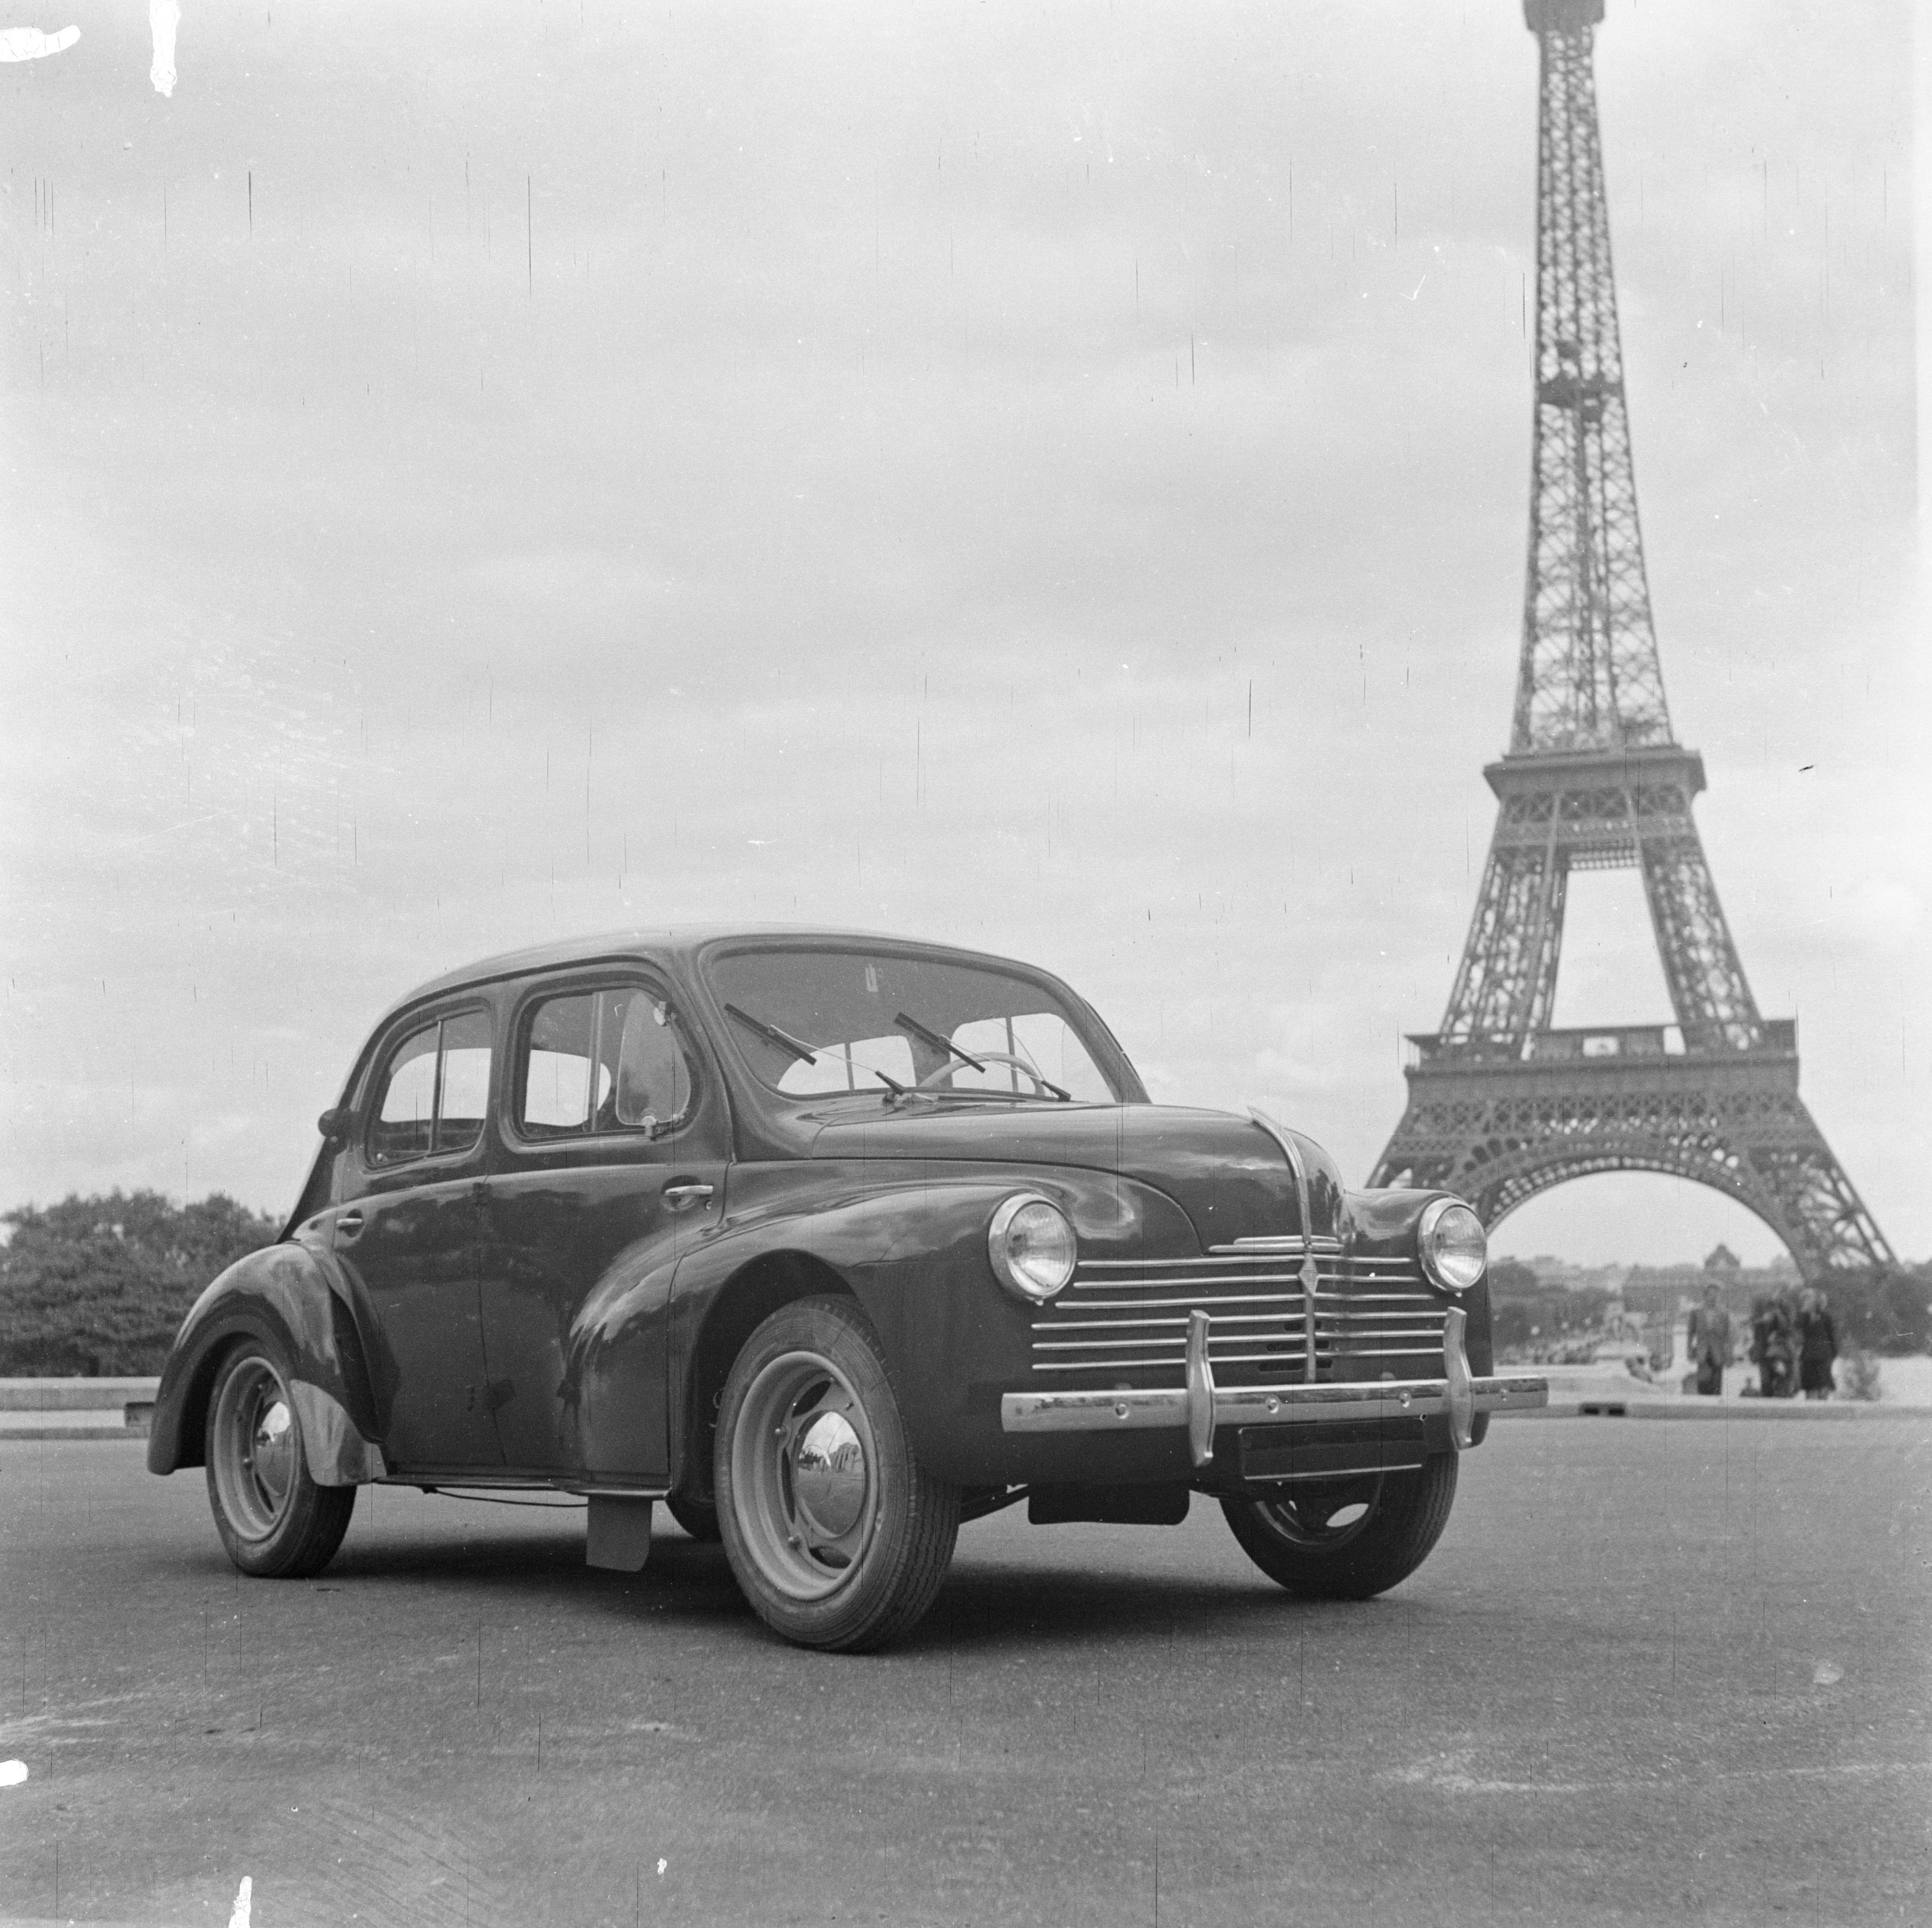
{"type": "Point", "coordinates": [1124, 1322]}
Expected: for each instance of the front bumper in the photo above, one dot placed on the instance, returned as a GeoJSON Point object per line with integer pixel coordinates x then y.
{"type": "Point", "coordinates": [1202, 1408]}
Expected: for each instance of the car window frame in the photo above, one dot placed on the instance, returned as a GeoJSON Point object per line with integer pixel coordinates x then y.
{"type": "Point", "coordinates": [406, 1028]}
{"type": "Point", "coordinates": [530, 1000]}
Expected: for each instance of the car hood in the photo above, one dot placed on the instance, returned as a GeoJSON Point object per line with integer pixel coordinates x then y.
{"type": "Point", "coordinates": [1227, 1174]}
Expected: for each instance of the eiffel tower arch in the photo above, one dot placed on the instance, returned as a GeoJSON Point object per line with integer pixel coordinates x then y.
{"type": "Point", "coordinates": [1501, 1106]}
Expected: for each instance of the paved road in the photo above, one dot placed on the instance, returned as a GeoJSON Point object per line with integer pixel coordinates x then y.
{"type": "Point", "coordinates": [1653, 1673]}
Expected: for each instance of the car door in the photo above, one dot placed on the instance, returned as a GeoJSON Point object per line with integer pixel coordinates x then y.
{"type": "Point", "coordinates": [408, 1229]}
{"type": "Point", "coordinates": [610, 1159]}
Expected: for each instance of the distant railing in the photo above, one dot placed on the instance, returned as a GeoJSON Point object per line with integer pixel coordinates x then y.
{"type": "Point", "coordinates": [1770, 1037]}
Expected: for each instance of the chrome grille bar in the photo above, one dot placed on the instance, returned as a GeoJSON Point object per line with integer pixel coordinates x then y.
{"type": "Point", "coordinates": [1371, 1315]}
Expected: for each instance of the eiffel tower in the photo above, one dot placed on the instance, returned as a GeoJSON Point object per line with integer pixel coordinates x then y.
{"type": "Point", "coordinates": [1500, 1105]}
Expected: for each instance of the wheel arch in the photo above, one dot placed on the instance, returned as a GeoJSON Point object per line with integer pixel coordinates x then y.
{"type": "Point", "coordinates": [191, 1417]}
{"type": "Point", "coordinates": [733, 1311]}
{"type": "Point", "coordinates": [287, 1295]}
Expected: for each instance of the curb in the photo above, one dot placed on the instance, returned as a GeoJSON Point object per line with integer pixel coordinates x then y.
{"type": "Point", "coordinates": [1787, 1411]}
{"type": "Point", "coordinates": [74, 1395]}
{"type": "Point", "coordinates": [9, 1433]}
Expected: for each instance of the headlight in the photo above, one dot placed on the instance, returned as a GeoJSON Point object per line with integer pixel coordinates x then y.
{"type": "Point", "coordinates": [1031, 1245]}
{"type": "Point", "coordinates": [1452, 1245]}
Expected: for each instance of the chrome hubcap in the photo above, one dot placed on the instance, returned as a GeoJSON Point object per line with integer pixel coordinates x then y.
{"type": "Point", "coordinates": [256, 1450]}
{"type": "Point", "coordinates": [803, 1488]}
{"type": "Point", "coordinates": [1322, 1518]}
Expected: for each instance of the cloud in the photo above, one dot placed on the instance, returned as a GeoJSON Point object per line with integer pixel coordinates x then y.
{"type": "Point", "coordinates": [1051, 481]}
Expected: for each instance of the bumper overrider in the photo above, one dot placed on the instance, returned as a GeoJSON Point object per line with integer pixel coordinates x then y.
{"type": "Point", "coordinates": [1202, 1408]}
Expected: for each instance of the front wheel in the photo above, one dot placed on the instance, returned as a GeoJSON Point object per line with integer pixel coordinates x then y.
{"type": "Point", "coordinates": [1347, 1539]}
{"type": "Point", "coordinates": [836, 1536]}
{"type": "Point", "coordinates": [273, 1519]}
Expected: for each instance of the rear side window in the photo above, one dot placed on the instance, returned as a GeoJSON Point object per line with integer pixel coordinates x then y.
{"type": "Point", "coordinates": [435, 1091]}
{"type": "Point", "coordinates": [602, 1061]}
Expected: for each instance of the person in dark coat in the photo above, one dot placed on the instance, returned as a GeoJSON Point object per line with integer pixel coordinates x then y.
{"type": "Point", "coordinates": [1710, 1338]}
{"type": "Point", "coordinates": [1817, 1345]}
{"type": "Point", "coordinates": [1774, 1346]}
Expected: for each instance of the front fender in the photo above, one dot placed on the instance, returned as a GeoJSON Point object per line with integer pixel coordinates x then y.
{"type": "Point", "coordinates": [908, 1240]}
{"type": "Point", "coordinates": [294, 1296]}
{"type": "Point", "coordinates": [1386, 1221]}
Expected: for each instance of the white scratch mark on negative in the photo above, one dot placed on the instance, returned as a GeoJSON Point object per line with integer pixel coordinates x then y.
{"type": "Point", "coordinates": [30, 43]}
{"type": "Point", "coordinates": [12, 1773]}
{"type": "Point", "coordinates": [48, 1729]}
{"type": "Point", "coordinates": [239, 1919]}
{"type": "Point", "coordinates": [1448, 1773]}
{"type": "Point", "coordinates": [163, 17]}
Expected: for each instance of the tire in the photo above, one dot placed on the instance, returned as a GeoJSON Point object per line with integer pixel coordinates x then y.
{"type": "Point", "coordinates": [1292, 1542]}
{"type": "Point", "coordinates": [836, 1536]}
{"type": "Point", "coordinates": [697, 1518]}
{"type": "Point", "coordinates": [273, 1519]}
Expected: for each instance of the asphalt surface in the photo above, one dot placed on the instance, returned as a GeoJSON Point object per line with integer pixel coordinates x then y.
{"type": "Point", "coordinates": [1653, 1673]}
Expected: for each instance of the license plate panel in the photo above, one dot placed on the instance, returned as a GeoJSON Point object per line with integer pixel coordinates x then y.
{"type": "Point", "coordinates": [1314, 1451]}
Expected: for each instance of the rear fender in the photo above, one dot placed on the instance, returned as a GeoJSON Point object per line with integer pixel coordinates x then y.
{"type": "Point", "coordinates": [294, 1296]}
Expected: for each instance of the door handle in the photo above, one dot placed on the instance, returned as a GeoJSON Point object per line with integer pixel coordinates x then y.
{"type": "Point", "coordinates": [679, 1196]}
{"type": "Point", "coordinates": [348, 1227]}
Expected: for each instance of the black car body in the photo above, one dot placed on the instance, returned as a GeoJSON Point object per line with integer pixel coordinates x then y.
{"type": "Point", "coordinates": [565, 1189]}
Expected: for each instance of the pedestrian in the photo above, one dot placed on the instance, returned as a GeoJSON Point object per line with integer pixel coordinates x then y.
{"type": "Point", "coordinates": [1817, 1345]}
{"type": "Point", "coordinates": [1710, 1337]}
{"type": "Point", "coordinates": [1762, 1322]}
{"type": "Point", "coordinates": [1772, 1349]}
{"type": "Point", "coordinates": [1784, 1341]}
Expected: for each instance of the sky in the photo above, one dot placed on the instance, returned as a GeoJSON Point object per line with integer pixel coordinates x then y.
{"type": "Point", "coordinates": [1048, 478]}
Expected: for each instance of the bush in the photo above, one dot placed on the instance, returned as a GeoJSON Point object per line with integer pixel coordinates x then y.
{"type": "Point", "coordinates": [99, 1286]}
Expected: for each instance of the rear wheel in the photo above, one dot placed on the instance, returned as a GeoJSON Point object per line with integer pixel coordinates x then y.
{"type": "Point", "coordinates": [837, 1536]}
{"type": "Point", "coordinates": [1347, 1539]}
{"type": "Point", "coordinates": [273, 1519]}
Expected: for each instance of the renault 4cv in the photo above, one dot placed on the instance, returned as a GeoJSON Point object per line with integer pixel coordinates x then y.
{"type": "Point", "coordinates": [830, 1242]}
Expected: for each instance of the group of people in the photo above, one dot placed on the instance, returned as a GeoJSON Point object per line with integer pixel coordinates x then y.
{"type": "Point", "coordinates": [1793, 1345]}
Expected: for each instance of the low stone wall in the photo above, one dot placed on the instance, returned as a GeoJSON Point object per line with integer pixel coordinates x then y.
{"type": "Point", "coordinates": [76, 1408]}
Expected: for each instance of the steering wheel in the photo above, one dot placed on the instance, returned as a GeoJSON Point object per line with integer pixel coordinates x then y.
{"type": "Point", "coordinates": [952, 1065]}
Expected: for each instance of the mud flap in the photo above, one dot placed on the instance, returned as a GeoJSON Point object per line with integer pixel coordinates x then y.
{"type": "Point", "coordinates": [620, 1534]}
{"type": "Point", "coordinates": [337, 1455]}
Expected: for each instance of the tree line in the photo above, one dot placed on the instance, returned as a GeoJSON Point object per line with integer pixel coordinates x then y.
{"type": "Point", "coordinates": [98, 1286]}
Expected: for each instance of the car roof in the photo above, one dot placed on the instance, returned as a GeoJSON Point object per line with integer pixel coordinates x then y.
{"type": "Point", "coordinates": [662, 942]}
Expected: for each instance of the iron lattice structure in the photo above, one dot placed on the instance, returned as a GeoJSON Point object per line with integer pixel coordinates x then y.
{"type": "Point", "coordinates": [1500, 1105]}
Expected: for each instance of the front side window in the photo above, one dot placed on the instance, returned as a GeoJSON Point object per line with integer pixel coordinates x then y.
{"type": "Point", "coordinates": [435, 1091]}
{"type": "Point", "coordinates": [602, 1061]}
{"type": "Point", "coordinates": [814, 1022]}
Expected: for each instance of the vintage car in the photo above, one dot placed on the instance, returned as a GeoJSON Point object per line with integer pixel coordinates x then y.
{"type": "Point", "coordinates": [830, 1242]}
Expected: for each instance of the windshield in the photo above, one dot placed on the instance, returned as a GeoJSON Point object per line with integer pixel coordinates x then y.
{"type": "Point", "coordinates": [812, 1023]}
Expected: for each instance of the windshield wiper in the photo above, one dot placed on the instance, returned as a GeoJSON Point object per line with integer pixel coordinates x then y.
{"type": "Point", "coordinates": [927, 1035]}
{"type": "Point", "coordinates": [783, 1039]}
